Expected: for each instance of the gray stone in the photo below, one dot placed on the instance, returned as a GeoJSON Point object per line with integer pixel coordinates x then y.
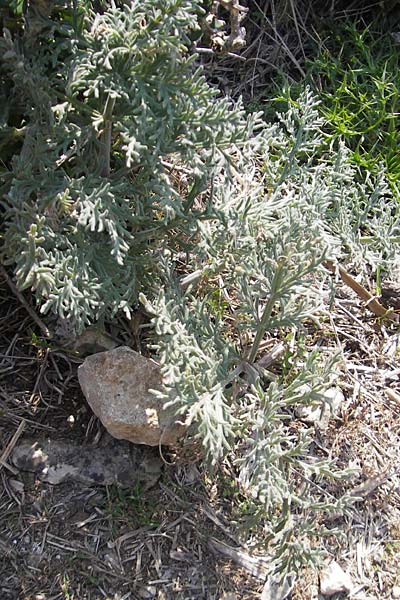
{"type": "Point", "coordinates": [117, 385]}
{"type": "Point", "coordinates": [93, 340]}
{"type": "Point", "coordinates": [147, 591]}
{"type": "Point", "coordinates": [334, 580]}
{"type": "Point", "coordinates": [118, 462]}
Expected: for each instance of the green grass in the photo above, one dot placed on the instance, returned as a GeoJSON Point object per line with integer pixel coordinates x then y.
{"type": "Point", "coordinates": [131, 507]}
{"type": "Point", "coordinates": [358, 80]}
{"type": "Point", "coordinates": [355, 75]}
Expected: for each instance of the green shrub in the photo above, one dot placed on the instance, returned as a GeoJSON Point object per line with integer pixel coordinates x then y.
{"type": "Point", "coordinates": [292, 200]}
{"type": "Point", "coordinates": [132, 170]}
{"type": "Point", "coordinates": [358, 77]}
{"type": "Point", "coordinates": [107, 100]}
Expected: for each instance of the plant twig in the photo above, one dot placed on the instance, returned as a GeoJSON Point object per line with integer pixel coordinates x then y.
{"type": "Point", "coordinates": [105, 154]}
{"type": "Point", "coordinates": [44, 329]}
{"type": "Point", "coordinates": [275, 286]}
{"type": "Point", "coordinates": [7, 451]}
{"type": "Point", "coordinates": [370, 301]}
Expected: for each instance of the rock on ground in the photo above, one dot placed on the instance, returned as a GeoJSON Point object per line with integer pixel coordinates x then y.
{"type": "Point", "coordinates": [117, 385]}
{"type": "Point", "coordinates": [334, 579]}
{"type": "Point", "coordinates": [118, 462]}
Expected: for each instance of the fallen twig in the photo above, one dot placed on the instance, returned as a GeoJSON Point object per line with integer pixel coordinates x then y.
{"type": "Point", "coordinates": [44, 329]}
{"type": "Point", "coordinates": [369, 485]}
{"type": "Point", "coordinates": [258, 566]}
{"type": "Point", "coordinates": [213, 517]}
{"type": "Point", "coordinates": [10, 446]}
{"type": "Point", "coordinates": [392, 395]}
{"type": "Point", "coordinates": [270, 357]}
{"type": "Point", "coordinates": [370, 301]}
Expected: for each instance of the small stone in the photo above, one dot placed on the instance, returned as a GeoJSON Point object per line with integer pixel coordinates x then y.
{"type": "Point", "coordinates": [93, 340]}
{"type": "Point", "coordinates": [118, 386]}
{"type": "Point", "coordinates": [16, 486]}
{"type": "Point", "coordinates": [117, 462]}
{"type": "Point", "coordinates": [396, 592]}
{"type": "Point", "coordinates": [334, 580]}
{"type": "Point", "coordinates": [276, 588]}
{"type": "Point", "coordinates": [147, 592]}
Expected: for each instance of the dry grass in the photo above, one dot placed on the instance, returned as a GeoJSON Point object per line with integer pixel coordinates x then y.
{"type": "Point", "coordinates": [281, 35]}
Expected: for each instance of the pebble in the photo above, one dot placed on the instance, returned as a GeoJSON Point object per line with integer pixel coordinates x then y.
{"type": "Point", "coordinates": [396, 592]}
{"type": "Point", "coordinates": [334, 579]}
{"type": "Point", "coordinates": [147, 592]}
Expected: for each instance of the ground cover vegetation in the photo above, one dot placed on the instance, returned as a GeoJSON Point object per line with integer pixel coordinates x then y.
{"type": "Point", "coordinates": [129, 184]}
{"type": "Point", "coordinates": [354, 73]}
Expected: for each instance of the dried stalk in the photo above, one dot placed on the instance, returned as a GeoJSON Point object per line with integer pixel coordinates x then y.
{"type": "Point", "coordinates": [44, 329]}
{"type": "Point", "coordinates": [370, 301]}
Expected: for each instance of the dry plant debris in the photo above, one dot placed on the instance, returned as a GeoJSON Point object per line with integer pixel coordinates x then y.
{"type": "Point", "coordinates": [86, 543]}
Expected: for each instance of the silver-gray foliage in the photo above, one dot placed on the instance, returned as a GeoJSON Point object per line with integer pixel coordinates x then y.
{"type": "Point", "coordinates": [91, 201]}
{"type": "Point", "coordinates": [288, 202]}
{"type": "Point", "coordinates": [131, 165]}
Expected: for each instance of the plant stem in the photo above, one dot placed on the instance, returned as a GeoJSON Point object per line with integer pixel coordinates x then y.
{"type": "Point", "coordinates": [105, 153]}
{"type": "Point", "coordinates": [275, 287]}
